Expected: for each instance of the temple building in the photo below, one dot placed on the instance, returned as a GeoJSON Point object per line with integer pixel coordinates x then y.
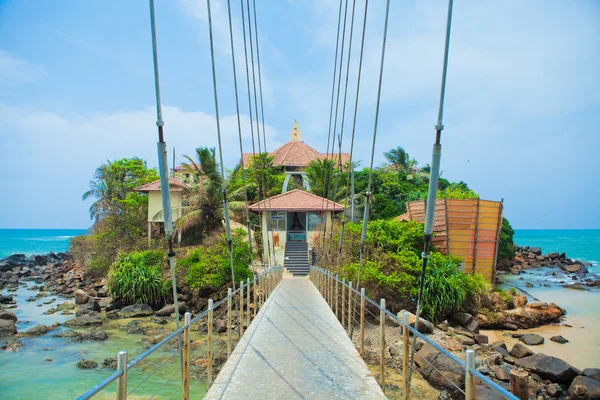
{"type": "Point", "coordinates": [294, 157]}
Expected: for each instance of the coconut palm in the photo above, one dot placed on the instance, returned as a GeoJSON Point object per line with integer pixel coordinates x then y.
{"type": "Point", "coordinates": [399, 160]}
{"type": "Point", "coordinates": [324, 178]}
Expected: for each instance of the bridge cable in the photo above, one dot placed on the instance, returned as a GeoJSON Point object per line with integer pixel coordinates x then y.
{"type": "Point", "coordinates": [369, 185]}
{"type": "Point", "coordinates": [434, 176]}
{"type": "Point", "coordinates": [239, 124]}
{"type": "Point", "coordinates": [335, 63]}
{"type": "Point", "coordinates": [223, 183]}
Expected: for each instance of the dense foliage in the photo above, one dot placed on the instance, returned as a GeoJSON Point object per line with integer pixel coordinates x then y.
{"type": "Point", "coordinates": [137, 277]}
{"type": "Point", "coordinates": [506, 248]}
{"type": "Point", "coordinates": [208, 266]}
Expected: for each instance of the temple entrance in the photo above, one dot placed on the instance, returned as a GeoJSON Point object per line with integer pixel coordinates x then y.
{"type": "Point", "coordinates": [296, 226]}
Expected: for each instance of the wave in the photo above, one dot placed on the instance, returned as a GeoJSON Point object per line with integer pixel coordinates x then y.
{"type": "Point", "coordinates": [48, 239]}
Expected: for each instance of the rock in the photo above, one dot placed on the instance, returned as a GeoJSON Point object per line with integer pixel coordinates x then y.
{"type": "Point", "coordinates": [576, 268]}
{"type": "Point", "coordinates": [593, 373]}
{"type": "Point", "coordinates": [583, 387]}
{"type": "Point", "coordinates": [520, 351]}
{"type": "Point", "coordinates": [480, 338]}
{"type": "Point", "coordinates": [135, 311]}
{"type": "Point", "coordinates": [65, 306]}
{"type": "Point", "coordinates": [551, 368]}
{"type": "Point", "coordinates": [169, 309]}
{"type": "Point", "coordinates": [68, 334]}
{"type": "Point", "coordinates": [464, 340]}
{"type": "Point", "coordinates": [425, 326]}
{"type": "Point", "coordinates": [536, 251]}
{"type": "Point", "coordinates": [500, 347]}
{"type": "Point", "coordinates": [110, 362]}
{"type": "Point", "coordinates": [220, 326]}
{"type": "Point", "coordinates": [559, 339]}
{"type": "Point", "coordinates": [84, 320]}
{"type": "Point", "coordinates": [510, 327]}
{"type": "Point", "coordinates": [466, 321]}
{"type": "Point", "coordinates": [12, 345]}
{"type": "Point", "coordinates": [37, 330]}
{"type": "Point", "coordinates": [86, 364]}
{"type": "Point", "coordinates": [531, 339]}
{"type": "Point", "coordinates": [8, 315]}
{"type": "Point", "coordinates": [81, 297]}
{"type": "Point", "coordinates": [103, 292]}
{"type": "Point", "coordinates": [501, 372]}
{"type": "Point", "coordinates": [554, 390]}
{"type": "Point", "coordinates": [494, 359]}
{"type": "Point", "coordinates": [464, 332]}
{"type": "Point", "coordinates": [97, 335]}
{"type": "Point", "coordinates": [90, 307]}
{"type": "Point", "coordinates": [7, 327]}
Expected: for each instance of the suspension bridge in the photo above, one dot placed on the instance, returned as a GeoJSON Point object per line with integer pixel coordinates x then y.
{"type": "Point", "coordinates": [281, 336]}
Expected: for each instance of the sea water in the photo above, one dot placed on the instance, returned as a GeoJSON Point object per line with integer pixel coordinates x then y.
{"type": "Point", "coordinates": [35, 241]}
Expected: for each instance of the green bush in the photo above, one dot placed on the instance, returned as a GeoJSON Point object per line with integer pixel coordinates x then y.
{"type": "Point", "coordinates": [506, 248]}
{"type": "Point", "coordinates": [208, 266]}
{"type": "Point", "coordinates": [137, 277]}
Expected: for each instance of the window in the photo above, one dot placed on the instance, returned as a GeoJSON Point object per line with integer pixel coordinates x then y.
{"type": "Point", "coordinates": [314, 221]}
{"type": "Point", "coordinates": [277, 220]}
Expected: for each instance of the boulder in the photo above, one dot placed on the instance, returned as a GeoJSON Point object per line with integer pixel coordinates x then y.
{"type": "Point", "coordinates": [424, 325]}
{"type": "Point", "coordinates": [480, 338]}
{"type": "Point", "coordinates": [531, 339]}
{"type": "Point", "coordinates": [559, 339]}
{"type": "Point", "coordinates": [500, 347]}
{"type": "Point", "coordinates": [88, 308]}
{"type": "Point", "coordinates": [466, 321]}
{"type": "Point", "coordinates": [464, 340]}
{"type": "Point", "coordinates": [103, 292]}
{"type": "Point", "coordinates": [81, 297]}
{"type": "Point", "coordinates": [65, 306]}
{"type": "Point", "coordinates": [38, 330]}
{"type": "Point", "coordinates": [6, 299]}
{"type": "Point", "coordinates": [169, 309]}
{"type": "Point", "coordinates": [593, 373]}
{"type": "Point", "coordinates": [68, 334]}
{"type": "Point", "coordinates": [135, 311]}
{"type": "Point", "coordinates": [8, 315]}
{"type": "Point", "coordinates": [7, 327]}
{"type": "Point", "coordinates": [502, 372]}
{"type": "Point", "coordinates": [12, 345]}
{"type": "Point", "coordinates": [84, 320]}
{"type": "Point", "coordinates": [96, 335]}
{"type": "Point", "coordinates": [86, 364]}
{"type": "Point", "coordinates": [110, 362]}
{"type": "Point", "coordinates": [520, 351]}
{"type": "Point", "coordinates": [576, 268]}
{"type": "Point", "coordinates": [583, 387]}
{"type": "Point", "coordinates": [548, 367]}
{"type": "Point", "coordinates": [536, 250]}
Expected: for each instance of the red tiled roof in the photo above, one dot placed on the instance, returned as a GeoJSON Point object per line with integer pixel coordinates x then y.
{"type": "Point", "coordinates": [295, 154]}
{"type": "Point", "coordinates": [174, 186]}
{"type": "Point", "coordinates": [183, 168]}
{"type": "Point", "coordinates": [296, 200]}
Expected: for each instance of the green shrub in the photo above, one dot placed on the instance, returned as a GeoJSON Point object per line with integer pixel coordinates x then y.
{"type": "Point", "coordinates": [137, 277]}
{"type": "Point", "coordinates": [209, 265]}
{"type": "Point", "coordinates": [506, 248]}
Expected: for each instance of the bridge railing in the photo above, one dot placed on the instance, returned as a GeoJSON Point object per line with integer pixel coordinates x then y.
{"type": "Point", "coordinates": [184, 363]}
{"type": "Point", "coordinates": [406, 363]}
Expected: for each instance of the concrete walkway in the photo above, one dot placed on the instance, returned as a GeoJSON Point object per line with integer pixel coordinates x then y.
{"type": "Point", "coordinates": [295, 349]}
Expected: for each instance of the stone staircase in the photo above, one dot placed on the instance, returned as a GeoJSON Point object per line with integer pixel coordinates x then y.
{"type": "Point", "coordinates": [296, 258]}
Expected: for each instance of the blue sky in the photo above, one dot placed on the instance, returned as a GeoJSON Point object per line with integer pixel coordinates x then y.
{"type": "Point", "coordinates": [523, 95]}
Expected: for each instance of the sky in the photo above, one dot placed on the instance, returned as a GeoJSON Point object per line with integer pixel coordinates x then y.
{"type": "Point", "coordinates": [521, 113]}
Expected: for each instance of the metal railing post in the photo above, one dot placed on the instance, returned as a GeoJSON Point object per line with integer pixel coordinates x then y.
{"type": "Point", "coordinates": [186, 356]}
{"type": "Point", "coordinates": [382, 344]}
{"type": "Point", "coordinates": [122, 382]}
{"type": "Point", "coordinates": [255, 297]}
{"type": "Point", "coordinates": [209, 341]}
{"type": "Point", "coordinates": [337, 297]}
{"type": "Point", "coordinates": [343, 297]}
{"type": "Point", "coordinates": [469, 380]}
{"type": "Point", "coordinates": [405, 355]}
{"type": "Point", "coordinates": [241, 316]}
{"type": "Point", "coordinates": [229, 298]}
{"type": "Point", "coordinates": [362, 321]}
{"type": "Point", "coordinates": [248, 299]}
{"type": "Point", "coordinates": [349, 308]}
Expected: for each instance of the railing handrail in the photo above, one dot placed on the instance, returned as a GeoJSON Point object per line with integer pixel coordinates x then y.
{"type": "Point", "coordinates": [117, 374]}
{"type": "Point", "coordinates": [486, 380]}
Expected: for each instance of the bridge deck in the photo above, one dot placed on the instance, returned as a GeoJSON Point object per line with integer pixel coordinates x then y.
{"type": "Point", "coordinates": [295, 349]}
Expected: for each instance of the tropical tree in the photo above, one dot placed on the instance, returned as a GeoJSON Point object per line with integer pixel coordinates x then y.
{"type": "Point", "coordinates": [114, 183]}
{"type": "Point", "coordinates": [325, 178]}
{"type": "Point", "coordinates": [399, 160]}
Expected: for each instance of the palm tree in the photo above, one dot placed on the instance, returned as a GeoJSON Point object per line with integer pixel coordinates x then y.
{"type": "Point", "coordinates": [204, 197]}
{"type": "Point", "coordinates": [324, 178]}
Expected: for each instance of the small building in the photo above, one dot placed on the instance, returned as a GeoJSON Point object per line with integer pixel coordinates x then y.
{"type": "Point", "coordinates": [183, 174]}
{"type": "Point", "coordinates": [155, 205]}
{"type": "Point", "coordinates": [294, 217]}
{"type": "Point", "coordinates": [294, 157]}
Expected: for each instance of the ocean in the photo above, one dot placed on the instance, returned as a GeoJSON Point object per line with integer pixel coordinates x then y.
{"type": "Point", "coordinates": [35, 241]}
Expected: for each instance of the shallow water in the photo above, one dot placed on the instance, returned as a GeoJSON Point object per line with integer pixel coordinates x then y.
{"type": "Point", "coordinates": [583, 349]}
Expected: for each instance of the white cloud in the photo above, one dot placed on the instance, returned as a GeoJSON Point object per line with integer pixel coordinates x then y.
{"type": "Point", "coordinates": [15, 70]}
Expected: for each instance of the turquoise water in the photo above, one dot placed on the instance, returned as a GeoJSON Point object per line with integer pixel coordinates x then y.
{"type": "Point", "coordinates": [580, 244]}
{"type": "Point", "coordinates": [35, 241]}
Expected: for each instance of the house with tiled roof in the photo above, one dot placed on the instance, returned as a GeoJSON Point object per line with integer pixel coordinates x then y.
{"type": "Point", "coordinates": [293, 222]}
{"type": "Point", "coordinates": [294, 157]}
{"type": "Point", "coordinates": [155, 207]}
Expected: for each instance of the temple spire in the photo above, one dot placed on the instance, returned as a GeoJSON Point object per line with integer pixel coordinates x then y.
{"type": "Point", "coordinates": [295, 133]}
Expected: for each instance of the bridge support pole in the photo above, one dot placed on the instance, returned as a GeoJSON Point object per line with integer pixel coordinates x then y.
{"type": "Point", "coordinates": [229, 298]}
{"type": "Point", "coordinates": [362, 321]}
{"type": "Point", "coordinates": [469, 379]}
{"type": "Point", "coordinates": [255, 297]}
{"type": "Point", "coordinates": [337, 297]}
{"type": "Point", "coordinates": [382, 344]}
{"type": "Point", "coordinates": [343, 299]}
{"type": "Point", "coordinates": [349, 308]}
{"type": "Point", "coordinates": [186, 356]}
{"type": "Point", "coordinates": [241, 315]}
{"type": "Point", "coordinates": [405, 356]}
{"type": "Point", "coordinates": [330, 288]}
{"type": "Point", "coordinates": [209, 355]}
{"type": "Point", "coordinates": [122, 382]}
{"type": "Point", "coordinates": [248, 299]}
